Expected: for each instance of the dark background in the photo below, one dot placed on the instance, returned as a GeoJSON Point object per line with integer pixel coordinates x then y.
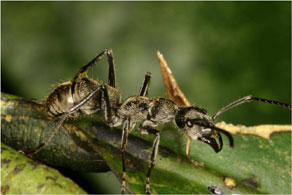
{"type": "Point", "coordinates": [218, 52]}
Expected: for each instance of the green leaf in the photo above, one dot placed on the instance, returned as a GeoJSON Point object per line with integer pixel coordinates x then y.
{"type": "Point", "coordinates": [256, 165]}
{"type": "Point", "coordinates": [21, 175]}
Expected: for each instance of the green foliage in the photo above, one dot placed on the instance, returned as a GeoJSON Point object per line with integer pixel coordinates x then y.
{"type": "Point", "coordinates": [21, 175]}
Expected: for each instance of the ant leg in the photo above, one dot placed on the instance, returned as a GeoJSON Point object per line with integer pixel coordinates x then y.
{"type": "Point", "coordinates": [249, 99]}
{"type": "Point", "coordinates": [124, 141]}
{"type": "Point", "coordinates": [84, 69]}
{"type": "Point", "coordinates": [154, 152]}
{"type": "Point", "coordinates": [64, 117]}
{"type": "Point", "coordinates": [188, 148]}
{"type": "Point", "coordinates": [144, 88]}
{"type": "Point", "coordinates": [107, 107]}
{"type": "Point", "coordinates": [53, 133]}
{"type": "Point", "coordinates": [111, 69]}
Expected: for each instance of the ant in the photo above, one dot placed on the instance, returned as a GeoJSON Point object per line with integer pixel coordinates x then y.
{"type": "Point", "coordinates": [88, 96]}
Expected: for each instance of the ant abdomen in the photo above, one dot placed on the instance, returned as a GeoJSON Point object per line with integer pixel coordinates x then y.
{"type": "Point", "coordinates": [82, 95]}
{"type": "Point", "coordinates": [62, 99]}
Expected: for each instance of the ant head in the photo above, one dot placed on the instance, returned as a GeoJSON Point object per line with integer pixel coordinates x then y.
{"type": "Point", "coordinates": [198, 125]}
{"type": "Point", "coordinates": [187, 120]}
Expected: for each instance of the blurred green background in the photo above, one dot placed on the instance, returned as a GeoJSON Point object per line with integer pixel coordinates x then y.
{"type": "Point", "coordinates": [218, 52]}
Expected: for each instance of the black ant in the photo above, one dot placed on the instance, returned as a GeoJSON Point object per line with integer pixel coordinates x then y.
{"type": "Point", "coordinates": [87, 96]}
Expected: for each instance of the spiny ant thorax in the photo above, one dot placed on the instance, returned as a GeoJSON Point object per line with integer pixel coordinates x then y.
{"type": "Point", "coordinates": [162, 110]}
{"type": "Point", "coordinates": [135, 107]}
{"type": "Point", "coordinates": [141, 108]}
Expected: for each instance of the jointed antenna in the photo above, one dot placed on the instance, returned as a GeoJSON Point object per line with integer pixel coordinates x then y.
{"type": "Point", "coordinates": [249, 99]}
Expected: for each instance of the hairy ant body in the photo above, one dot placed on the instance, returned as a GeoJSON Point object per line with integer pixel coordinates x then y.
{"type": "Point", "coordinates": [81, 95]}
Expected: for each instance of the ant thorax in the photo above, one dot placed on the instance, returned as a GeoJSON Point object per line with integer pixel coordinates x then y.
{"type": "Point", "coordinates": [143, 109]}
{"type": "Point", "coordinates": [186, 119]}
{"type": "Point", "coordinates": [162, 110]}
{"type": "Point", "coordinates": [135, 108]}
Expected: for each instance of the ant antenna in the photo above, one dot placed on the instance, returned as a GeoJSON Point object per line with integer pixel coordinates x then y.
{"type": "Point", "coordinates": [249, 99]}
{"type": "Point", "coordinates": [86, 68]}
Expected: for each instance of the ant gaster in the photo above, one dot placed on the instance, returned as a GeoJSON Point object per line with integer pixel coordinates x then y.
{"type": "Point", "coordinates": [81, 95]}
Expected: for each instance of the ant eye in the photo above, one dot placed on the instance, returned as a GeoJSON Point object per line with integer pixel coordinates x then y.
{"type": "Point", "coordinates": [189, 123]}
